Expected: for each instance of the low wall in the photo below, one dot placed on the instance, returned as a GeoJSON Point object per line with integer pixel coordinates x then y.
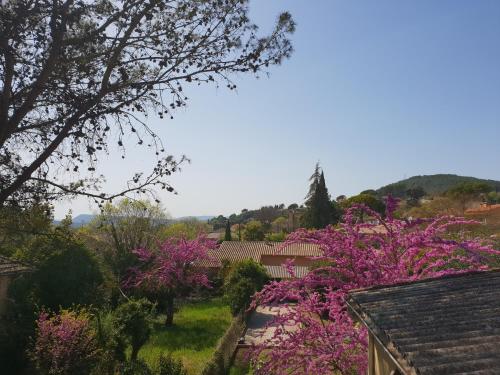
{"type": "Point", "coordinates": [222, 358]}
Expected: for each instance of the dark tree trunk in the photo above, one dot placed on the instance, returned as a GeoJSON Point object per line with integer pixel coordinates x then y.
{"type": "Point", "coordinates": [133, 355]}
{"type": "Point", "coordinates": [169, 311]}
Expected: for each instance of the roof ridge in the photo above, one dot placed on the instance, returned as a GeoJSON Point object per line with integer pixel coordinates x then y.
{"type": "Point", "coordinates": [426, 280]}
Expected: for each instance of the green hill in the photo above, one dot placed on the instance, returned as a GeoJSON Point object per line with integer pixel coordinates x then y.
{"type": "Point", "coordinates": [432, 184]}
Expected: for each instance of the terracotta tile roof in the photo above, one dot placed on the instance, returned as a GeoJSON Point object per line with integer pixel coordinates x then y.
{"type": "Point", "coordinates": [10, 267]}
{"type": "Point", "coordinates": [296, 249]}
{"type": "Point", "coordinates": [449, 325]}
{"type": "Point", "coordinates": [235, 251]}
{"type": "Point", "coordinates": [240, 250]}
{"type": "Point", "coordinates": [280, 272]}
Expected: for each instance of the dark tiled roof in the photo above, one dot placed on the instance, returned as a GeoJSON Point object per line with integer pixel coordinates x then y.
{"type": "Point", "coordinates": [10, 267]}
{"type": "Point", "coordinates": [449, 325]}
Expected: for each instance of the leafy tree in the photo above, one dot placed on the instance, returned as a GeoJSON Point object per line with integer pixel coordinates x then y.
{"type": "Point", "coordinates": [275, 237]}
{"type": "Point", "coordinates": [171, 271]}
{"type": "Point", "coordinates": [132, 324]}
{"type": "Point", "coordinates": [354, 258]}
{"type": "Point", "coordinates": [293, 206]}
{"type": "Point", "coordinates": [366, 199]}
{"type": "Point", "coordinates": [493, 197]}
{"type": "Point", "coordinates": [319, 211]}
{"type": "Point", "coordinates": [69, 276]}
{"type": "Point", "coordinates": [76, 77]}
{"type": "Point", "coordinates": [218, 222]}
{"type": "Point", "coordinates": [279, 224]}
{"type": "Point", "coordinates": [65, 343]}
{"type": "Point", "coordinates": [413, 196]}
{"type": "Point", "coordinates": [189, 228]}
{"type": "Point", "coordinates": [244, 280]}
{"type": "Point", "coordinates": [22, 229]}
{"type": "Point", "coordinates": [467, 192]}
{"type": "Point", "coordinates": [121, 228]}
{"type": "Point", "coordinates": [266, 214]}
{"type": "Point", "coordinates": [253, 231]}
{"type": "Point", "coordinates": [227, 234]}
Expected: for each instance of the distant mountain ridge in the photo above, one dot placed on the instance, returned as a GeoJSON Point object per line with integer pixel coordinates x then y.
{"type": "Point", "coordinates": [434, 184]}
{"type": "Point", "coordinates": [83, 219]}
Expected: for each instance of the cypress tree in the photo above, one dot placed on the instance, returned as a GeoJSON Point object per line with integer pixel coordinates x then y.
{"type": "Point", "coordinates": [319, 211]}
{"type": "Point", "coordinates": [227, 236]}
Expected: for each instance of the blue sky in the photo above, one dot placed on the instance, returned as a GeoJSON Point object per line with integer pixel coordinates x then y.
{"type": "Point", "coordinates": [376, 91]}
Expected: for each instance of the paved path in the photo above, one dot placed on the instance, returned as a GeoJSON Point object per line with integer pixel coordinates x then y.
{"type": "Point", "coordinates": [257, 332]}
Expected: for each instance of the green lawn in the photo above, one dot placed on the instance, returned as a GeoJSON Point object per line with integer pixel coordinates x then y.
{"type": "Point", "coordinates": [197, 328]}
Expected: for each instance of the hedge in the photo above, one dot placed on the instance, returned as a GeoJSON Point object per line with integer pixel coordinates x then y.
{"type": "Point", "coordinates": [222, 358]}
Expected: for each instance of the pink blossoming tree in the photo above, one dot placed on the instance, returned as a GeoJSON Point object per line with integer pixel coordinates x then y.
{"type": "Point", "coordinates": [315, 334]}
{"type": "Point", "coordinates": [65, 343]}
{"type": "Point", "coordinates": [171, 270]}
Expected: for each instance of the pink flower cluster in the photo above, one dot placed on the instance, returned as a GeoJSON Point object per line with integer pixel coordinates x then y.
{"type": "Point", "coordinates": [315, 334]}
{"type": "Point", "coordinates": [65, 343]}
{"type": "Point", "coordinates": [177, 263]}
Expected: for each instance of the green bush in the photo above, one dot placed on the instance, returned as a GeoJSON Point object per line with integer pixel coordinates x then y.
{"type": "Point", "coordinates": [133, 368]}
{"type": "Point", "coordinates": [244, 279]}
{"type": "Point", "coordinates": [167, 365]}
{"type": "Point", "coordinates": [132, 326]}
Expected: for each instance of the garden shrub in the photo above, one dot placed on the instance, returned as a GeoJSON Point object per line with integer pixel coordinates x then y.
{"type": "Point", "coordinates": [137, 367]}
{"type": "Point", "coordinates": [244, 280]}
{"type": "Point", "coordinates": [167, 365]}
{"type": "Point", "coordinates": [65, 343]}
{"type": "Point", "coordinates": [132, 326]}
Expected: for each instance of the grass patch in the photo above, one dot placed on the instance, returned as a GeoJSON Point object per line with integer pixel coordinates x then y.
{"type": "Point", "coordinates": [240, 365]}
{"type": "Point", "coordinates": [193, 337]}
{"type": "Point", "coordinates": [240, 370]}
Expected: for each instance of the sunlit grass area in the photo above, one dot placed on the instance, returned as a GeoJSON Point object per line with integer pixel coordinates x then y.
{"type": "Point", "coordinates": [197, 328]}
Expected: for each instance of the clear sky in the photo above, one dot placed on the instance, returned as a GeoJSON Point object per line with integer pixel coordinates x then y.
{"type": "Point", "coordinates": [376, 91]}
